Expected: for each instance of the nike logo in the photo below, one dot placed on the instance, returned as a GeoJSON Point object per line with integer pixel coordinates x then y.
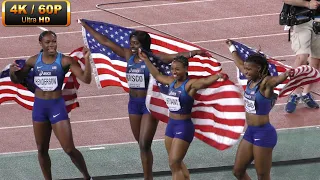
{"type": "Point", "coordinates": [55, 115]}
{"type": "Point", "coordinates": [39, 67]}
{"type": "Point", "coordinates": [256, 139]}
{"type": "Point", "coordinates": [178, 132]}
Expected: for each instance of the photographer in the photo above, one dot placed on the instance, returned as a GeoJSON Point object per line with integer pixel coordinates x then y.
{"type": "Point", "coordinates": [306, 44]}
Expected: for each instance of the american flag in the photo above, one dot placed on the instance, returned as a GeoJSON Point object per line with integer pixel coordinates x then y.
{"type": "Point", "coordinates": [24, 94]}
{"type": "Point", "coordinates": [218, 111]}
{"type": "Point", "coordinates": [303, 74]}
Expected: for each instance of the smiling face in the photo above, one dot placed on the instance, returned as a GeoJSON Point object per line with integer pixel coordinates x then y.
{"type": "Point", "coordinates": [178, 70]}
{"type": "Point", "coordinates": [140, 39]}
{"type": "Point", "coordinates": [49, 43]}
{"type": "Point", "coordinates": [134, 45]}
{"type": "Point", "coordinates": [252, 70]}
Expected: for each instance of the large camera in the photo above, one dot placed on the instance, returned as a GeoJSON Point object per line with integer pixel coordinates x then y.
{"type": "Point", "coordinates": [293, 15]}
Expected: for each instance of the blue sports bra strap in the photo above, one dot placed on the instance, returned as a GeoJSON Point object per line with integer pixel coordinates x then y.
{"type": "Point", "coordinates": [172, 84]}
{"type": "Point", "coordinates": [248, 83]}
{"type": "Point", "coordinates": [131, 59]}
{"type": "Point", "coordinates": [185, 82]}
{"type": "Point", "coordinates": [184, 85]}
{"type": "Point", "coordinates": [260, 80]}
{"type": "Point", "coordinates": [258, 84]}
{"type": "Point", "coordinates": [39, 58]}
{"type": "Point", "coordinates": [59, 57]}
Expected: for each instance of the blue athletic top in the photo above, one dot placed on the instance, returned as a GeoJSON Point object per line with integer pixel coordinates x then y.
{"type": "Point", "coordinates": [49, 77]}
{"type": "Point", "coordinates": [255, 102]}
{"type": "Point", "coordinates": [178, 100]}
{"type": "Point", "coordinates": [137, 74]}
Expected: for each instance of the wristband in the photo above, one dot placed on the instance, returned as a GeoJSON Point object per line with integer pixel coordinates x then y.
{"type": "Point", "coordinates": [232, 48]}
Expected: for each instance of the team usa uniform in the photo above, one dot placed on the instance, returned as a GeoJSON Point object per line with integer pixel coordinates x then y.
{"type": "Point", "coordinates": [138, 78]}
{"type": "Point", "coordinates": [179, 102]}
{"type": "Point", "coordinates": [256, 103]}
{"type": "Point", "coordinates": [49, 77]}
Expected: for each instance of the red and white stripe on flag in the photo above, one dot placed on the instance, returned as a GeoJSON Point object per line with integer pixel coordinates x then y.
{"type": "Point", "coordinates": [303, 75]}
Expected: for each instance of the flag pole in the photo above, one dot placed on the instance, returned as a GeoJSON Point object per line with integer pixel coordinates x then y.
{"type": "Point", "coordinates": [106, 10]}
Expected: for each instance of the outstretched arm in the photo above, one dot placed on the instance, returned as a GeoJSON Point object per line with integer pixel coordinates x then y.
{"type": "Point", "coordinates": [236, 58]}
{"type": "Point", "coordinates": [168, 58]}
{"type": "Point", "coordinates": [154, 71]}
{"type": "Point", "coordinates": [122, 52]}
{"type": "Point", "coordinates": [83, 75]}
{"type": "Point", "coordinates": [273, 81]}
{"type": "Point", "coordinates": [205, 82]}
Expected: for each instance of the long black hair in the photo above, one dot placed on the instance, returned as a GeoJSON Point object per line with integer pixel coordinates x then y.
{"type": "Point", "coordinates": [261, 61]}
{"type": "Point", "coordinates": [144, 39]}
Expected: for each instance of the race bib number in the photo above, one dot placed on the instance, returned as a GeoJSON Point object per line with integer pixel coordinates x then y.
{"type": "Point", "coordinates": [135, 80]}
{"type": "Point", "coordinates": [250, 105]}
{"type": "Point", "coordinates": [46, 83]}
{"type": "Point", "coordinates": [173, 103]}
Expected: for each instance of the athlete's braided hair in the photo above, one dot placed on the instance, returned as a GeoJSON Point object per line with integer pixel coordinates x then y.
{"type": "Point", "coordinates": [182, 60]}
{"type": "Point", "coordinates": [44, 33]}
{"type": "Point", "coordinates": [260, 60]}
